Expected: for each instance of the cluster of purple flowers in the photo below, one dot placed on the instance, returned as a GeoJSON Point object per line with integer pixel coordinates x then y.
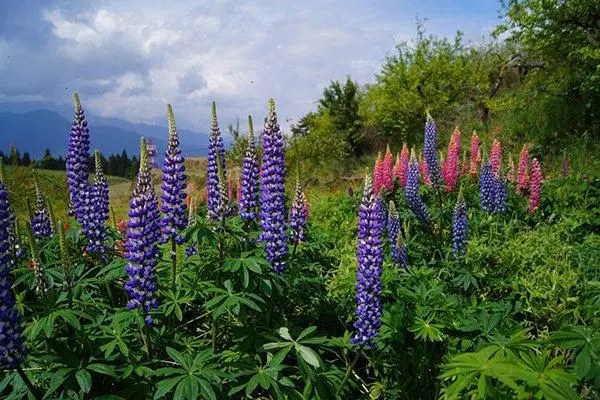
{"type": "Point", "coordinates": [396, 238]}
{"type": "Point", "coordinates": [272, 192]}
{"type": "Point", "coordinates": [11, 334]}
{"type": "Point", "coordinates": [430, 151]}
{"type": "Point", "coordinates": [248, 200]}
{"type": "Point", "coordinates": [41, 224]}
{"type": "Point", "coordinates": [493, 190]}
{"type": "Point", "coordinates": [459, 227]}
{"type": "Point", "coordinates": [370, 264]}
{"type": "Point", "coordinates": [143, 233]}
{"type": "Point", "coordinates": [298, 216]}
{"type": "Point", "coordinates": [411, 191]}
{"type": "Point", "coordinates": [215, 160]}
{"type": "Point", "coordinates": [78, 156]}
{"type": "Point", "coordinates": [173, 207]}
{"type": "Point", "coordinates": [95, 202]}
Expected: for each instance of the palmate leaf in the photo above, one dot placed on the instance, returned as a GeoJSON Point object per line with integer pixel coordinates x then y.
{"type": "Point", "coordinates": [426, 330]}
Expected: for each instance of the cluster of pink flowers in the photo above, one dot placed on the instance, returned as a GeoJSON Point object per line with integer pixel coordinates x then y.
{"type": "Point", "coordinates": [496, 156]}
{"type": "Point", "coordinates": [401, 167]}
{"type": "Point", "coordinates": [522, 170]}
{"type": "Point", "coordinates": [383, 172]}
{"type": "Point", "coordinates": [450, 166]}
{"type": "Point", "coordinates": [475, 154]}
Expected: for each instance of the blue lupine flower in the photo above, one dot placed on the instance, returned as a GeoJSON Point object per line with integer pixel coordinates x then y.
{"type": "Point", "coordinates": [298, 216]}
{"type": "Point", "coordinates": [430, 151]}
{"type": "Point", "coordinates": [396, 238]}
{"type": "Point", "coordinates": [40, 220]}
{"type": "Point", "coordinates": [272, 196]}
{"type": "Point", "coordinates": [216, 156]}
{"type": "Point", "coordinates": [12, 347]}
{"type": "Point", "coordinates": [411, 191]}
{"type": "Point", "coordinates": [174, 218]}
{"type": "Point", "coordinates": [143, 233]}
{"type": "Point", "coordinates": [78, 156]}
{"type": "Point", "coordinates": [95, 202]}
{"type": "Point", "coordinates": [500, 197]}
{"type": "Point", "coordinates": [487, 187]}
{"type": "Point", "coordinates": [13, 232]}
{"type": "Point", "coordinates": [370, 267]}
{"type": "Point", "coordinates": [248, 200]}
{"type": "Point", "coordinates": [459, 227]}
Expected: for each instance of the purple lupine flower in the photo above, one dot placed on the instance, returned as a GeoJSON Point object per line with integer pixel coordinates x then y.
{"type": "Point", "coordinates": [216, 152]}
{"type": "Point", "coordinates": [248, 200]}
{"type": "Point", "coordinates": [370, 268]}
{"type": "Point", "coordinates": [298, 216]}
{"type": "Point", "coordinates": [191, 247]}
{"type": "Point", "coordinates": [487, 187]}
{"type": "Point", "coordinates": [459, 227]}
{"type": "Point", "coordinates": [12, 347]}
{"type": "Point", "coordinates": [40, 220]}
{"type": "Point", "coordinates": [13, 231]}
{"type": "Point", "coordinates": [95, 203]}
{"type": "Point", "coordinates": [78, 156]}
{"type": "Point", "coordinates": [411, 191]}
{"type": "Point", "coordinates": [143, 233]}
{"type": "Point", "coordinates": [396, 238]}
{"type": "Point", "coordinates": [173, 207]}
{"type": "Point", "coordinates": [430, 151]}
{"type": "Point", "coordinates": [272, 196]}
{"type": "Point", "coordinates": [500, 196]}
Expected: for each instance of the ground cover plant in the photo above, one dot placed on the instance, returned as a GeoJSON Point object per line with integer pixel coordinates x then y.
{"type": "Point", "coordinates": [465, 273]}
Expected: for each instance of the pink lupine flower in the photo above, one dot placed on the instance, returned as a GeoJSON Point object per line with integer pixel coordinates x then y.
{"type": "Point", "coordinates": [450, 166]}
{"type": "Point", "coordinates": [475, 154]}
{"type": "Point", "coordinates": [230, 188]}
{"type": "Point", "coordinates": [387, 171]}
{"type": "Point", "coordinates": [496, 156]}
{"type": "Point", "coordinates": [377, 173]}
{"type": "Point", "coordinates": [535, 185]}
{"type": "Point", "coordinates": [424, 171]}
{"type": "Point", "coordinates": [402, 165]}
{"type": "Point", "coordinates": [238, 192]}
{"type": "Point", "coordinates": [522, 170]}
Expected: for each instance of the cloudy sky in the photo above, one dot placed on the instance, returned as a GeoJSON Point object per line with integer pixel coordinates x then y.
{"type": "Point", "coordinates": [129, 58]}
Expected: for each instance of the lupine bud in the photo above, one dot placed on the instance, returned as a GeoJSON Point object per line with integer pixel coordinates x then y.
{"type": "Point", "coordinates": [451, 165]}
{"type": "Point", "coordinates": [12, 347]}
{"type": "Point", "coordinates": [143, 233]}
{"type": "Point", "coordinates": [272, 192]}
{"type": "Point", "coordinates": [430, 151]}
{"type": "Point", "coordinates": [248, 197]}
{"type": "Point", "coordinates": [387, 172]}
{"type": "Point", "coordinates": [216, 151]}
{"type": "Point", "coordinates": [298, 215]}
{"type": "Point", "coordinates": [564, 168]}
{"type": "Point", "coordinates": [496, 156]}
{"type": "Point", "coordinates": [370, 266]}
{"type": "Point", "coordinates": [459, 227]}
{"type": "Point", "coordinates": [396, 238]}
{"type": "Point", "coordinates": [475, 154]}
{"type": "Point", "coordinates": [411, 192]}
{"type": "Point", "coordinates": [535, 186]}
{"type": "Point", "coordinates": [522, 170]}
{"type": "Point", "coordinates": [78, 155]}
{"type": "Point", "coordinates": [93, 220]}
{"type": "Point", "coordinates": [40, 220]}
{"type": "Point", "coordinates": [174, 218]}
{"type": "Point", "coordinates": [377, 173]}
{"type": "Point", "coordinates": [510, 174]}
{"type": "Point", "coordinates": [401, 167]}
{"type": "Point", "coordinates": [423, 171]}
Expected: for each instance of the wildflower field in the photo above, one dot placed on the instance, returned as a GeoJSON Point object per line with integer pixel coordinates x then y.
{"type": "Point", "coordinates": [449, 272]}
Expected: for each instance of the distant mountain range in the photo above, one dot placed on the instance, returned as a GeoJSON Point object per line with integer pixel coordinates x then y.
{"type": "Point", "coordinates": [35, 126]}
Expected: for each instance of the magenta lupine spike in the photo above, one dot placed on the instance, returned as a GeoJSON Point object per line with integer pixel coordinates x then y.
{"type": "Point", "coordinates": [272, 192]}
{"type": "Point", "coordinates": [298, 216]}
{"type": "Point", "coordinates": [377, 173]}
{"type": "Point", "coordinates": [216, 150]}
{"type": "Point", "coordinates": [143, 233]}
{"type": "Point", "coordinates": [475, 154]}
{"type": "Point", "coordinates": [522, 170]}
{"type": "Point", "coordinates": [370, 268]}
{"type": "Point", "coordinates": [387, 172]}
{"type": "Point", "coordinates": [535, 186]}
{"type": "Point", "coordinates": [173, 207]}
{"type": "Point", "coordinates": [496, 156]}
{"type": "Point", "coordinates": [78, 157]}
{"type": "Point", "coordinates": [452, 163]}
{"type": "Point", "coordinates": [423, 171]}
{"type": "Point", "coordinates": [402, 165]}
{"type": "Point", "coordinates": [430, 151]}
{"type": "Point", "coordinates": [248, 193]}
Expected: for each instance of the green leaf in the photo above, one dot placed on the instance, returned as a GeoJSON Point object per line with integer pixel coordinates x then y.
{"type": "Point", "coordinates": [165, 386]}
{"type": "Point", "coordinates": [102, 369]}
{"type": "Point", "coordinates": [308, 355]}
{"type": "Point", "coordinates": [285, 333]}
{"type": "Point", "coordinates": [84, 379]}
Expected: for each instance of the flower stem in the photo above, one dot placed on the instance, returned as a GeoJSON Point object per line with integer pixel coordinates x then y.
{"type": "Point", "coordinates": [111, 295]}
{"type": "Point", "coordinates": [147, 341]}
{"type": "Point", "coordinates": [173, 264]}
{"type": "Point", "coordinates": [348, 371]}
{"type": "Point", "coordinates": [36, 394]}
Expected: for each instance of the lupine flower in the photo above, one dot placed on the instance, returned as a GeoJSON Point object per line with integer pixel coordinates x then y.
{"type": "Point", "coordinates": [423, 171]}
{"type": "Point", "coordinates": [95, 204]}
{"type": "Point", "coordinates": [402, 165]}
{"type": "Point", "coordinates": [430, 151]}
{"type": "Point", "coordinates": [464, 169]}
{"type": "Point", "coordinates": [298, 215]}
{"type": "Point", "coordinates": [223, 209]}
{"type": "Point", "coordinates": [535, 186]}
{"type": "Point", "coordinates": [40, 220]}
{"type": "Point", "coordinates": [459, 227]}
{"type": "Point", "coordinates": [13, 228]}
{"type": "Point", "coordinates": [496, 156]}
{"type": "Point", "coordinates": [377, 173]}
{"type": "Point", "coordinates": [564, 168]}
{"type": "Point", "coordinates": [143, 233]}
{"type": "Point", "coordinates": [191, 247]}
{"type": "Point", "coordinates": [451, 165]}
{"type": "Point", "coordinates": [78, 156]}
{"type": "Point", "coordinates": [174, 218]}
{"type": "Point", "coordinates": [475, 154]}
{"type": "Point", "coordinates": [216, 151]}
{"type": "Point", "coordinates": [500, 195]}
{"type": "Point", "coordinates": [411, 192]}
{"type": "Point", "coordinates": [248, 198]}
{"type": "Point", "coordinates": [486, 187]}
{"type": "Point", "coordinates": [370, 266]}
{"type": "Point", "coordinates": [12, 347]}
{"type": "Point", "coordinates": [41, 288]}
{"type": "Point", "coordinates": [396, 238]}
{"type": "Point", "coordinates": [510, 174]}
{"type": "Point", "coordinates": [272, 192]}
{"type": "Point", "coordinates": [522, 170]}
{"type": "Point", "coordinates": [305, 205]}
{"type": "Point", "coordinates": [387, 172]}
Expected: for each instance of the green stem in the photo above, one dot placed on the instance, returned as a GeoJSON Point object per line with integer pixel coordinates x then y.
{"type": "Point", "coordinates": [348, 371]}
{"type": "Point", "coordinates": [36, 394]}
{"type": "Point", "coordinates": [111, 295]}
{"type": "Point", "coordinates": [173, 264]}
{"type": "Point", "coordinates": [147, 341]}
{"type": "Point", "coordinates": [214, 334]}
